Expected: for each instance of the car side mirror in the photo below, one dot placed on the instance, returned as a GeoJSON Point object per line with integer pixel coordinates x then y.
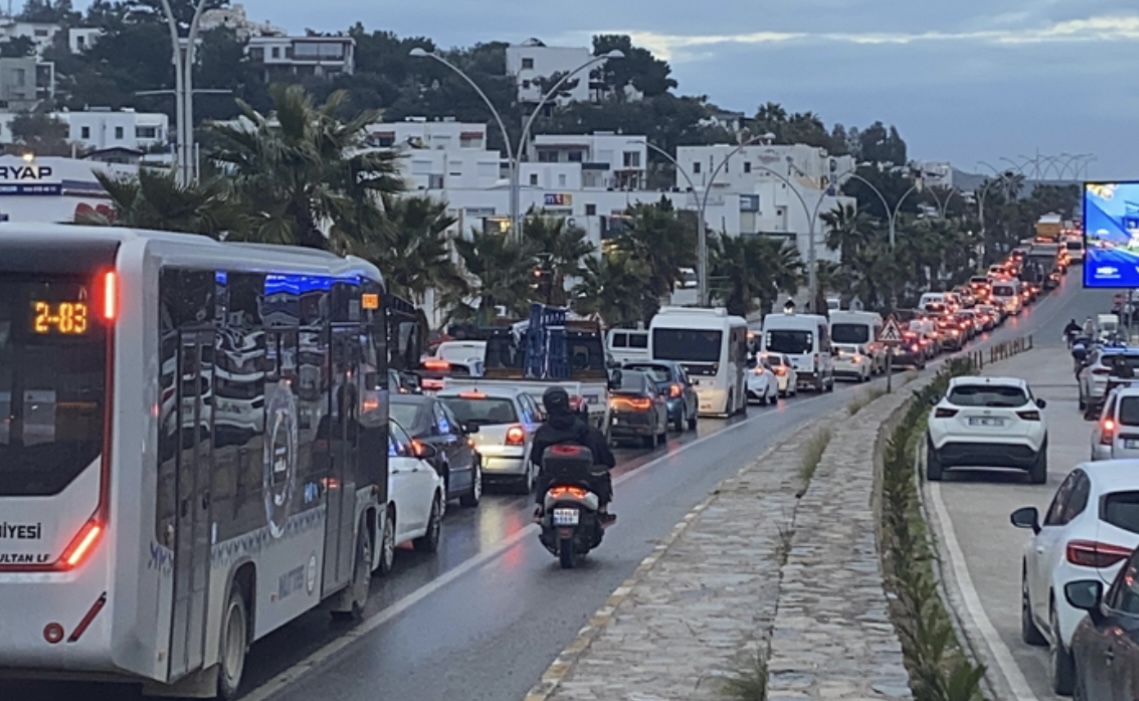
{"type": "Point", "coordinates": [1026, 517]}
{"type": "Point", "coordinates": [1041, 403]}
{"type": "Point", "coordinates": [424, 451]}
{"type": "Point", "coordinates": [1085, 595]}
{"type": "Point", "coordinates": [934, 401]}
{"type": "Point", "coordinates": [471, 428]}
{"type": "Point", "coordinates": [615, 379]}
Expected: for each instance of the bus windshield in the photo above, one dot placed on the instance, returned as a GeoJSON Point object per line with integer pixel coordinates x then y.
{"type": "Point", "coordinates": [52, 385]}
{"type": "Point", "coordinates": [850, 333]}
{"type": "Point", "coordinates": [790, 341]}
{"type": "Point", "coordinates": [688, 345]}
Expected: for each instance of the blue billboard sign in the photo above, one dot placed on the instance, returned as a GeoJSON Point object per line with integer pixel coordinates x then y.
{"type": "Point", "coordinates": [1111, 235]}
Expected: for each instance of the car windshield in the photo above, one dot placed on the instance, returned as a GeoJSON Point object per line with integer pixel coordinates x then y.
{"type": "Point", "coordinates": [850, 333]}
{"type": "Point", "coordinates": [1121, 510]}
{"type": "Point", "coordinates": [790, 341]}
{"type": "Point", "coordinates": [659, 373]}
{"type": "Point", "coordinates": [989, 396]}
{"type": "Point", "coordinates": [1129, 411]}
{"type": "Point", "coordinates": [482, 411]}
{"type": "Point", "coordinates": [405, 414]}
{"type": "Point", "coordinates": [1074, 246]}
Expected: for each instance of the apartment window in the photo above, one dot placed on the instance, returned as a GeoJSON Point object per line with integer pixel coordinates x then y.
{"type": "Point", "coordinates": [561, 179]}
{"type": "Point", "coordinates": [576, 156]}
{"type": "Point", "coordinates": [747, 166]}
{"type": "Point", "coordinates": [41, 32]}
{"type": "Point", "coordinates": [85, 132]}
{"type": "Point", "coordinates": [276, 53]}
{"type": "Point", "coordinates": [534, 179]}
{"type": "Point", "coordinates": [119, 133]}
{"type": "Point", "coordinates": [146, 132]}
{"type": "Point", "coordinates": [527, 63]}
{"type": "Point", "coordinates": [590, 210]}
{"type": "Point", "coordinates": [19, 77]}
{"type": "Point", "coordinates": [317, 50]}
{"type": "Point", "coordinates": [80, 41]}
{"type": "Point", "coordinates": [547, 156]}
{"type": "Point", "coordinates": [525, 85]}
{"type": "Point", "coordinates": [632, 159]}
{"type": "Point", "coordinates": [696, 167]}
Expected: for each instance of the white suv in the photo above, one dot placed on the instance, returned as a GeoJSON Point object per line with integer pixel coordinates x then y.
{"type": "Point", "coordinates": [1116, 434]}
{"type": "Point", "coordinates": [988, 422]}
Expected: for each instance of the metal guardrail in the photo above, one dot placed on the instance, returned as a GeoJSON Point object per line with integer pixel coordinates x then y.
{"type": "Point", "coordinates": [1000, 351]}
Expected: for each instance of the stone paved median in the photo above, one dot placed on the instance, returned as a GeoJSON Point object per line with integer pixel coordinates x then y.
{"type": "Point", "coordinates": [708, 601]}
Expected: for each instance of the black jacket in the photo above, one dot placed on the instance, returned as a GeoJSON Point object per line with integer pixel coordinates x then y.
{"type": "Point", "coordinates": [1073, 327]}
{"type": "Point", "coordinates": [571, 429]}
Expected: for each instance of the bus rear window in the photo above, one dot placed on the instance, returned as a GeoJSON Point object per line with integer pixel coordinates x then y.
{"type": "Point", "coordinates": [52, 385]}
{"type": "Point", "coordinates": [850, 333]}
{"type": "Point", "coordinates": [687, 345]}
{"type": "Point", "coordinates": [790, 341]}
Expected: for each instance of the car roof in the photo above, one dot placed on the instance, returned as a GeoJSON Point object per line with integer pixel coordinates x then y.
{"type": "Point", "coordinates": [1112, 475]}
{"type": "Point", "coordinates": [492, 391]}
{"type": "Point", "coordinates": [986, 380]}
{"type": "Point", "coordinates": [418, 399]}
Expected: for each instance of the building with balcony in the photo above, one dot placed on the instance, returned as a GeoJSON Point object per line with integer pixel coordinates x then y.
{"type": "Point", "coordinates": [79, 39]}
{"type": "Point", "coordinates": [42, 34]}
{"type": "Point", "coordinates": [609, 161]}
{"type": "Point", "coordinates": [810, 166]}
{"type": "Point", "coordinates": [312, 55]}
{"type": "Point", "coordinates": [105, 130]}
{"type": "Point", "coordinates": [25, 82]}
{"type": "Point", "coordinates": [419, 132]}
{"type": "Point", "coordinates": [531, 62]}
{"type": "Point", "coordinates": [235, 19]}
{"type": "Point", "coordinates": [938, 174]}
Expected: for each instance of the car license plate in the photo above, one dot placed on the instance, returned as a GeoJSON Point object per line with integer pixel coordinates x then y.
{"type": "Point", "coordinates": [986, 421]}
{"type": "Point", "coordinates": [566, 517]}
{"type": "Point", "coordinates": [1131, 443]}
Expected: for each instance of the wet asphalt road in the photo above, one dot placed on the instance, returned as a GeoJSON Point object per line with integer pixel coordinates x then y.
{"type": "Point", "coordinates": [485, 616]}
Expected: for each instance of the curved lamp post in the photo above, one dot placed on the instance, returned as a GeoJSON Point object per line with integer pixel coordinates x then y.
{"type": "Point", "coordinates": [514, 155]}
{"type": "Point", "coordinates": [184, 59]}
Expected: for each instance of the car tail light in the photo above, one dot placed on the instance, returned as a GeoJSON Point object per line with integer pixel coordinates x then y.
{"type": "Point", "coordinates": [634, 404]}
{"type": "Point", "coordinates": [1090, 553]}
{"type": "Point", "coordinates": [1107, 435]}
{"type": "Point", "coordinates": [942, 413]}
{"type": "Point", "coordinates": [1101, 371]}
{"type": "Point", "coordinates": [515, 436]}
{"type": "Point", "coordinates": [564, 491]}
{"type": "Point", "coordinates": [1031, 415]}
{"type": "Point", "coordinates": [436, 364]}
{"type": "Point", "coordinates": [780, 371]}
{"type": "Point", "coordinates": [674, 391]}
{"type": "Point", "coordinates": [915, 348]}
{"type": "Point", "coordinates": [82, 544]}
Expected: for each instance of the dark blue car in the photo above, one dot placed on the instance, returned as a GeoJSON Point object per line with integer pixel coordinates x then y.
{"type": "Point", "coordinates": [671, 378]}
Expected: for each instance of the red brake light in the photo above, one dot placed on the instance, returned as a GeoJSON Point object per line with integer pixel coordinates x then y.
{"type": "Point", "coordinates": [674, 391]}
{"type": "Point", "coordinates": [1107, 436]}
{"type": "Point", "coordinates": [472, 394]}
{"type": "Point", "coordinates": [631, 403]}
{"type": "Point", "coordinates": [436, 364]}
{"type": "Point", "coordinates": [515, 436]}
{"type": "Point", "coordinates": [1032, 415]}
{"type": "Point", "coordinates": [82, 544]}
{"type": "Point", "coordinates": [1090, 553]}
{"type": "Point", "coordinates": [566, 450]}
{"type": "Point", "coordinates": [941, 413]}
{"type": "Point", "coordinates": [561, 491]}
{"type": "Point", "coordinates": [110, 295]}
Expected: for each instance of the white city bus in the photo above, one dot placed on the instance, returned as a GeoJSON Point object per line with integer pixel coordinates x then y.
{"type": "Point", "coordinates": [175, 483]}
{"type": "Point", "coordinates": [711, 346]}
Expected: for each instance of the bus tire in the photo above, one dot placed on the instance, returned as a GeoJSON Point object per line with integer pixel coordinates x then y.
{"type": "Point", "coordinates": [358, 589]}
{"type": "Point", "coordinates": [234, 644]}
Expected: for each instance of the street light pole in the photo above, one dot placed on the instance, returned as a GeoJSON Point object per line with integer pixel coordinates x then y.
{"type": "Point", "coordinates": [184, 60]}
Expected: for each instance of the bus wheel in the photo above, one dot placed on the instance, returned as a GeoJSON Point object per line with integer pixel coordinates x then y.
{"type": "Point", "coordinates": [234, 643]}
{"type": "Point", "coordinates": [361, 578]}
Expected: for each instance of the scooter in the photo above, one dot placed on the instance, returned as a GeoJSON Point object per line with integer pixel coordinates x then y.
{"type": "Point", "coordinates": [570, 523]}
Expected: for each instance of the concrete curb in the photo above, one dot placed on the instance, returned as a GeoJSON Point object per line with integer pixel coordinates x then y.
{"type": "Point", "coordinates": [564, 663]}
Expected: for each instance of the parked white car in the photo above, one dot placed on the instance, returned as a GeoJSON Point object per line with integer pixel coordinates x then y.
{"type": "Point", "coordinates": [762, 382]}
{"type": "Point", "coordinates": [502, 421]}
{"type": "Point", "coordinates": [1116, 434]}
{"type": "Point", "coordinates": [850, 363]}
{"type": "Point", "coordinates": [1087, 533]}
{"type": "Point", "coordinates": [415, 498]}
{"type": "Point", "coordinates": [988, 422]}
{"type": "Point", "coordinates": [786, 376]}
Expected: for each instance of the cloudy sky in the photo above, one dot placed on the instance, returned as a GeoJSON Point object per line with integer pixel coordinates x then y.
{"type": "Point", "coordinates": [967, 81]}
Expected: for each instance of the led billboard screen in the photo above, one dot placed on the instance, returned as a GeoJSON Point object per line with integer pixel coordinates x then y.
{"type": "Point", "coordinates": [1111, 235]}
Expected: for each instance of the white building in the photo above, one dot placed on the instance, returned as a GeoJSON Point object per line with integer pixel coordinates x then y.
{"type": "Point", "coordinates": [315, 55]}
{"type": "Point", "coordinates": [234, 18]}
{"type": "Point", "coordinates": [42, 34]}
{"type": "Point", "coordinates": [419, 132]}
{"type": "Point", "coordinates": [531, 61]}
{"type": "Point", "coordinates": [103, 129]}
{"type": "Point", "coordinates": [80, 39]}
{"type": "Point", "coordinates": [934, 173]}
{"type": "Point", "coordinates": [608, 160]}
{"type": "Point", "coordinates": [808, 165]}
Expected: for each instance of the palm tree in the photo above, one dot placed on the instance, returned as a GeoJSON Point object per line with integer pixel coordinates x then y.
{"type": "Point", "coordinates": [749, 272]}
{"type": "Point", "coordinates": [849, 231]}
{"type": "Point", "coordinates": [306, 176]}
{"type": "Point", "coordinates": [610, 287]}
{"type": "Point", "coordinates": [497, 271]}
{"type": "Point", "coordinates": [412, 249]}
{"type": "Point", "coordinates": [658, 244]}
{"type": "Point", "coordinates": [153, 200]}
{"type": "Point", "coordinates": [561, 248]}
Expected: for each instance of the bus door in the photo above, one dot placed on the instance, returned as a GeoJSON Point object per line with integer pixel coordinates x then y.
{"type": "Point", "coordinates": [192, 496]}
{"type": "Point", "coordinates": [344, 403]}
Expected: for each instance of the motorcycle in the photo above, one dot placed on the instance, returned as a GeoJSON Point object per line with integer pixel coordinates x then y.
{"type": "Point", "coordinates": [570, 523]}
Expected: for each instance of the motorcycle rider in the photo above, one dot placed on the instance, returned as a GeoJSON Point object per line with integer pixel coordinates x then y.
{"type": "Point", "coordinates": [1089, 327]}
{"type": "Point", "coordinates": [1072, 328]}
{"type": "Point", "coordinates": [563, 425]}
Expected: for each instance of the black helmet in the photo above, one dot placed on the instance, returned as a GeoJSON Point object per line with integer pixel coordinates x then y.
{"type": "Point", "coordinates": [556, 401]}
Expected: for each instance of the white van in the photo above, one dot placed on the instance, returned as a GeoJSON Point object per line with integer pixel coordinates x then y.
{"type": "Point", "coordinates": [627, 345]}
{"type": "Point", "coordinates": [932, 298]}
{"type": "Point", "coordinates": [1006, 295]}
{"type": "Point", "coordinates": [860, 329]}
{"type": "Point", "coordinates": [711, 346]}
{"type": "Point", "coordinates": [806, 340]}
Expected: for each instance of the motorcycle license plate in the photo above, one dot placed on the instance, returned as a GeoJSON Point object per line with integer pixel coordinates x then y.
{"type": "Point", "coordinates": [566, 517]}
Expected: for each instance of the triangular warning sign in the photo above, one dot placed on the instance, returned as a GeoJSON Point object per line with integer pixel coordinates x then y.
{"type": "Point", "coordinates": [891, 332]}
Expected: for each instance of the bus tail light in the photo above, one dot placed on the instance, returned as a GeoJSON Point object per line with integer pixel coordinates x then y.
{"type": "Point", "coordinates": [515, 436]}
{"type": "Point", "coordinates": [82, 544]}
{"type": "Point", "coordinates": [110, 288]}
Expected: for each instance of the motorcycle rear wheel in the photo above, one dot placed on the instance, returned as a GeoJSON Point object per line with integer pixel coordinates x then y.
{"type": "Point", "coordinates": [566, 553]}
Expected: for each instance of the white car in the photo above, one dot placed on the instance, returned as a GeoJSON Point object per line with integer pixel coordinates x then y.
{"type": "Point", "coordinates": [1116, 434]}
{"type": "Point", "coordinates": [851, 363]}
{"type": "Point", "coordinates": [1088, 532]}
{"type": "Point", "coordinates": [787, 379]}
{"type": "Point", "coordinates": [502, 421]}
{"type": "Point", "coordinates": [762, 382]}
{"type": "Point", "coordinates": [1093, 377]}
{"type": "Point", "coordinates": [988, 422]}
{"type": "Point", "coordinates": [415, 498]}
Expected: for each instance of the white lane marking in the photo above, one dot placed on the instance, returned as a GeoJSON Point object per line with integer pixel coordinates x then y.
{"type": "Point", "coordinates": [960, 570]}
{"type": "Point", "coordinates": [318, 657]}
